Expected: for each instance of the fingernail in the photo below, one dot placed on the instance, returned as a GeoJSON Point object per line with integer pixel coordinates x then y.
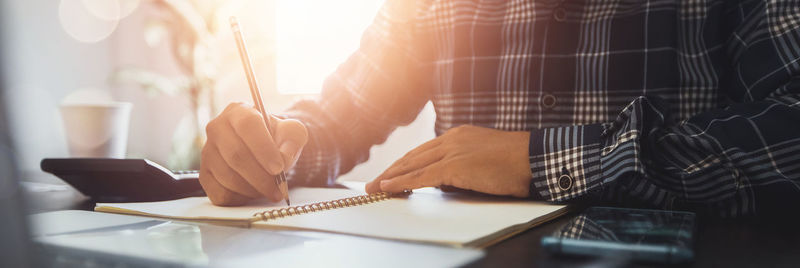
{"type": "Point", "coordinates": [289, 148]}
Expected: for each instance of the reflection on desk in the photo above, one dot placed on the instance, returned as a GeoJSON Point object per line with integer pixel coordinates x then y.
{"type": "Point", "coordinates": [720, 243]}
{"type": "Point", "coordinates": [145, 241]}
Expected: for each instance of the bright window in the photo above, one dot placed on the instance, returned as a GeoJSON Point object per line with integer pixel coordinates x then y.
{"type": "Point", "coordinates": [314, 37]}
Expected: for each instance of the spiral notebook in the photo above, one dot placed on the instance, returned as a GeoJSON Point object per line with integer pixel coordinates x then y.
{"type": "Point", "coordinates": [427, 215]}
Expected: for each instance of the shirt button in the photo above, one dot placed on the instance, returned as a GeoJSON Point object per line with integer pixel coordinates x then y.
{"type": "Point", "coordinates": [737, 179]}
{"type": "Point", "coordinates": [548, 101]}
{"type": "Point", "coordinates": [560, 14]}
{"type": "Point", "coordinates": [565, 182]}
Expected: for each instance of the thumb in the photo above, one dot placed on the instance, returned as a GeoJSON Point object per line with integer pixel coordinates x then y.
{"type": "Point", "coordinates": [291, 137]}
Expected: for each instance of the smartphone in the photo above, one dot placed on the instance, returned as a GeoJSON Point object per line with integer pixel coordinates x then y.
{"type": "Point", "coordinates": [633, 234]}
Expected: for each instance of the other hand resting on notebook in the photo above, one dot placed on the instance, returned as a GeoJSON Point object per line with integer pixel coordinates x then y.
{"type": "Point", "coordinates": [468, 157]}
{"type": "Point", "coordinates": [241, 158]}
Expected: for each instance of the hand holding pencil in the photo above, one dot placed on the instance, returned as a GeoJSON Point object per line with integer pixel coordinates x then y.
{"type": "Point", "coordinates": [248, 150]}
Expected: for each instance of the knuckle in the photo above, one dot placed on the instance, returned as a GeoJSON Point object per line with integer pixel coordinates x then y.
{"type": "Point", "coordinates": [203, 179]}
{"type": "Point", "coordinates": [461, 129]}
{"type": "Point", "coordinates": [445, 141]}
{"type": "Point", "coordinates": [237, 157]}
{"type": "Point", "coordinates": [214, 194]}
{"type": "Point", "coordinates": [418, 173]}
{"type": "Point", "coordinates": [230, 106]}
{"type": "Point", "coordinates": [223, 177]}
{"type": "Point", "coordinates": [211, 127]}
{"type": "Point", "coordinates": [227, 198]}
{"type": "Point", "coordinates": [205, 152]}
{"type": "Point", "coordinates": [297, 127]}
{"type": "Point", "coordinates": [438, 152]}
{"type": "Point", "coordinates": [240, 119]}
{"type": "Point", "coordinates": [216, 199]}
{"type": "Point", "coordinates": [237, 105]}
{"type": "Point", "coordinates": [451, 131]}
{"type": "Point", "coordinates": [454, 131]}
{"type": "Point", "coordinates": [403, 163]}
{"type": "Point", "coordinates": [406, 155]}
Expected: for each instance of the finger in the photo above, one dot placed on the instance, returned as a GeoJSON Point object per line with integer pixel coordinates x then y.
{"type": "Point", "coordinates": [249, 125]}
{"type": "Point", "coordinates": [233, 105]}
{"type": "Point", "coordinates": [273, 122]}
{"type": "Point", "coordinates": [429, 145]}
{"type": "Point", "coordinates": [426, 177]}
{"type": "Point", "coordinates": [239, 158]}
{"type": "Point", "coordinates": [406, 165]}
{"type": "Point", "coordinates": [290, 135]}
{"type": "Point", "coordinates": [218, 194]}
{"type": "Point", "coordinates": [449, 189]}
{"type": "Point", "coordinates": [226, 176]}
{"type": "Point", "coordinates": [410, 163]}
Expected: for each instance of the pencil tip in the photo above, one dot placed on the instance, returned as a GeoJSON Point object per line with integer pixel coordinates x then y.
{"type": "Point", "coordinates": [287, 203]}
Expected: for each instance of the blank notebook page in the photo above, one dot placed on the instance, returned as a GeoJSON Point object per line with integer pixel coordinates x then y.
{"type": "Point", "coordinates": [427, 215]}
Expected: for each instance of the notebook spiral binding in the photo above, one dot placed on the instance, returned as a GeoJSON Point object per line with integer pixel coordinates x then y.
{"type": "Point", "coordinates": [320, 206]}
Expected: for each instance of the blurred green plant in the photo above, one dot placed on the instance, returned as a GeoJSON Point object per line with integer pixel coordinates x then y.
{"type": "Point", "coordinates": [192, 29]}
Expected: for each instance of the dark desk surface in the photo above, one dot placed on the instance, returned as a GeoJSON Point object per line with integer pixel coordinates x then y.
{"type": "Point", "coordinates": [720, 243]}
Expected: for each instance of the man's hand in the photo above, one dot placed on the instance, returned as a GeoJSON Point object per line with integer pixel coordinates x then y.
{"type": "Point", "coordinates": [241, 158]}
{"type": "Point", "coordinates": [467, 157]}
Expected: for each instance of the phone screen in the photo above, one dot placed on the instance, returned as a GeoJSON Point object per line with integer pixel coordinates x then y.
{"type": "Point", "coordinates": [640, 234]}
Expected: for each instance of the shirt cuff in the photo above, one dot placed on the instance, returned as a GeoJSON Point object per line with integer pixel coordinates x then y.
{"type": "Point", "coordinates": [565, 162]}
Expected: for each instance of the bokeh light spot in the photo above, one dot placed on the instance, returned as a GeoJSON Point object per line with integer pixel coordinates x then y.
{"type": "Point", "coordinates": [110, 9]}
{"type": "Point", "coordinates": [80, 23]}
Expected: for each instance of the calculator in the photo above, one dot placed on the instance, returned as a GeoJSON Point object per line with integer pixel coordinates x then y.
{"type": "Point", "coordinates": [124, 180]}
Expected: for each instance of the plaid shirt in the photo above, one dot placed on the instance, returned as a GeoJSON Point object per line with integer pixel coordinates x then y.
{"type": "Point", "coordinates": [670, 104]}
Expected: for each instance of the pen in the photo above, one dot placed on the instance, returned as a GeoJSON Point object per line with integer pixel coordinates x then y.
{"type": "Point", "coordinates": [280, 181]}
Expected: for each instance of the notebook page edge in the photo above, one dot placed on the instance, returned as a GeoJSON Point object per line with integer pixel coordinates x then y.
{"type": "Point", "coordinates": [200, 208]}
{"type": "Point", "coordinates": [237, 222]}
{"type": "Point", "coordinates": [513, 230]}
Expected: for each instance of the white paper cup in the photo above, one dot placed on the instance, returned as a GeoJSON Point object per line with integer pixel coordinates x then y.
{"type": "Point", "coordinates": [97, 130]}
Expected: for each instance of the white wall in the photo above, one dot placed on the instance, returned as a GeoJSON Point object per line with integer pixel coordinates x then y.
{"type": "Point", "coordinates": [42, 65]}
{"type": "Point", "coordinates": [401, 141]}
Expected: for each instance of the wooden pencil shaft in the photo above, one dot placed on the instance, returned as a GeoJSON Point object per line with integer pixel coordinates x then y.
{"type": "Point", "coordinates": [256, 95]}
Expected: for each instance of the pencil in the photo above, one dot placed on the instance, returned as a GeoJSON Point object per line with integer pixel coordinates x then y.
{"type": "Point", "coordinates": [280, 181]}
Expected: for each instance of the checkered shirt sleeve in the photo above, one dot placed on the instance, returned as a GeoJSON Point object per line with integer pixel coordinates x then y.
{"type": "Point", "coordinates": [731, 161]}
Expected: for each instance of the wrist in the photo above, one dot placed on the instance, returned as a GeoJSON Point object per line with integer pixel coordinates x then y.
{"type": "Point", "coordinates": [522, 164]}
